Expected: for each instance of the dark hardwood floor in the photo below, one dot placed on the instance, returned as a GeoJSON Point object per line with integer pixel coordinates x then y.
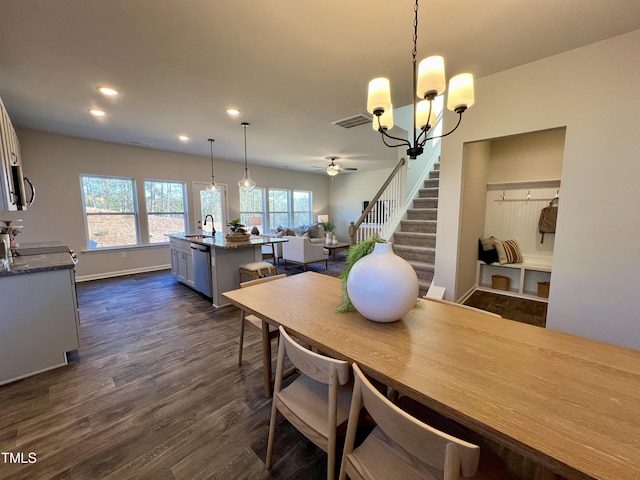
{"type": "Point", "coordinates": [154, 392]}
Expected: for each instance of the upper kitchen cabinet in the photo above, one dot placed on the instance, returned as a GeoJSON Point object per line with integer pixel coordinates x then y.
{"type": "Point", "coordinates": [16, 190]}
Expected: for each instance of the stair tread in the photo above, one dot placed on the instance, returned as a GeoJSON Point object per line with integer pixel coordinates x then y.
{"type": "Point", "coordinates": [421, 265]}
{"type": "Point", "coordinates": [413, 248]}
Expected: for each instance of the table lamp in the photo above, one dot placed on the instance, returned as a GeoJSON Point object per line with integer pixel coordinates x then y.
{"type": "Point", "coordinates": [254, 222]}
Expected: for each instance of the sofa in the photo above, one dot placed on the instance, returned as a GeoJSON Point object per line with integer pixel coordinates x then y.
{"type": "Point", "coordinates": [315, 233]}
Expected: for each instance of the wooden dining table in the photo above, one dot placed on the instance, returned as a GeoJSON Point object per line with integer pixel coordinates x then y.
{"type": "Point", "coordinates": [570, 404]}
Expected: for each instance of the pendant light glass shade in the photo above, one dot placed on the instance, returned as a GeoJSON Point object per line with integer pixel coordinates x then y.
{"type": "Point", "coordinates": [213, 187]}
{"type": "Point", "coordinates": [246, 184]}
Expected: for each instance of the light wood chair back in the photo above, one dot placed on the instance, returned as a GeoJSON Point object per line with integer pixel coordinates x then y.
{"type": "Point", "coordinates": [316, 402]}
{"type": "Point", "coordinates": [401, 447]}
{"type": "Point", "coordinates": [257, 323]}
{"type": "Point", "coordinates": [460, 305]}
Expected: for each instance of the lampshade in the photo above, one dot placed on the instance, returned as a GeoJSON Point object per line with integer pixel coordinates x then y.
{"type": "Point", "coordinates": [461, 94]}
{"type": "Point", "coordinates": [431, 80]}
{"type": "Point", "coordinates": [323, 218]}
{"type": "Point", "coordinates": [422, 110]}
{"type": "Point", "coordinates": [254, 222]}
{"type": "Point", "coordinates": [379, 99]}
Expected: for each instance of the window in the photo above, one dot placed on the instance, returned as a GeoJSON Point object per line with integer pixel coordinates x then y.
{"type": "Point", "coordinates": [166, 211]}
{"type": "Point", "coordinates": [110, 210]}
{"type": "Point", "coordinates": [279, 211]}
{"type": "Point", "coordinates": [302, 208]}
{"type": "Point", "coordinates": [252, 205]}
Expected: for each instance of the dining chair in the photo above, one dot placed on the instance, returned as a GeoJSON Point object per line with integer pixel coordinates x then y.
{"type": "Point", "coordinates": [460, 305]}
{"type": "Point", "coordinates": [316, 403]}
{"type": "Point", "coordinates": [267, 336]}
{"type": "Point", "coordinates": [402, 447]}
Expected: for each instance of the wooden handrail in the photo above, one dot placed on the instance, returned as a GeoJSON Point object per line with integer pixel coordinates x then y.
{"type": "Point", "coordinates": [353, 227]}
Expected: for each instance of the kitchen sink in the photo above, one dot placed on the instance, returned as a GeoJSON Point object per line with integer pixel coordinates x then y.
{"type": "Point", "coordinates": [198, 237]}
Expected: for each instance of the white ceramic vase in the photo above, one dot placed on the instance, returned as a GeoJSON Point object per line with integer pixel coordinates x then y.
{"type": "Point", "coordinates": [382, 286]}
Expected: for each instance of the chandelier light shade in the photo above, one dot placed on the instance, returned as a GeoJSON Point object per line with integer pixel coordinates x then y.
{"type": "Point", "coordinates": [429, 82]}
{"type": "Point", "coordinates": [213, 187]}
{"type": "Point", "coordinates": [246, 184]}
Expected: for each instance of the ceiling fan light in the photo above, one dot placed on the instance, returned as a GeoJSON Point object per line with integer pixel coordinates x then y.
{"type": "Point", "coordinates": [379, 99]}
{"type": "Point", "coordinates": [431, 79]}
{"type": "Point", "coordinates": [461, 95]}
{"type": "Point", "coordinates": [332, 170]}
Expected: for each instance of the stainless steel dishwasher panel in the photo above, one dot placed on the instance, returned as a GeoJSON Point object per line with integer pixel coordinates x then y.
{"type": "Point", "coordinates": [201, 268]}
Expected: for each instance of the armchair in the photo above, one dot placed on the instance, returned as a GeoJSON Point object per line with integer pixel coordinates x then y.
{"type": "Point", "coordinates": [301, 250]}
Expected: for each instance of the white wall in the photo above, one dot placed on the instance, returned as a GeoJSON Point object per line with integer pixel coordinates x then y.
{"type": "Point", "coordinates": [593, 92]}
{"type": "Point", "coordinates": [348, 191]}
{"type": "Point", "coordinates": [54, 163]}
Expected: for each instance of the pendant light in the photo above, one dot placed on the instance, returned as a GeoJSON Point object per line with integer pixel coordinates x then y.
{"type": "Point", "coordinates": [246, 184]}
{"type": "Point", "coordinates": [213, 187]}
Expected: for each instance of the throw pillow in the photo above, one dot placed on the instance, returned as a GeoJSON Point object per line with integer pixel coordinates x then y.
{"type": "Point", "coordinates": [302, 229]}
{"type": "Point", "coordinates": [304, 235]}
{"type": "Point", "coordinates": [502, 254]}
{"type": "Point", "coordinates": [313, 231]}
{"type": "Point", "coordinates": [487, 256]}
{"type": "Point", "coordinates": [289, 232]}
{"type": "Point", "coordinates": [512, 249]}
{"type": "Point", "coordinates": [280, 234]}
{"type": "Point", "coordinates": [508, 251]}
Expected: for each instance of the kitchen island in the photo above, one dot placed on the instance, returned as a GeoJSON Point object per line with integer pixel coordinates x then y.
{"type": "Point", "coordinates": [196, 258]}
{"type": "Point", "coordinates": [39, 322]}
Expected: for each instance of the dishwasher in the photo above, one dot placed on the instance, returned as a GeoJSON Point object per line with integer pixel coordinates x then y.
{"type": "Point", "coordinates": [201, 268]}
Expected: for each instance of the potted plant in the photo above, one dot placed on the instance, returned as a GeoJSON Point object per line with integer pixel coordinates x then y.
{"type": "Point", "coordinates": [329, 227]}
{"type": "Point", "coordinates": [238, 231]}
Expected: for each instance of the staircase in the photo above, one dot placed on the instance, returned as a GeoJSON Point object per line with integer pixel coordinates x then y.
{"type": "Point", "coordinates": [415, 241]}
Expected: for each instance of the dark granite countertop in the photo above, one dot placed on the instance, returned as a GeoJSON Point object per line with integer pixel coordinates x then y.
{"type": "Point", "coordinates": [22, 264]}
{"type": "Point", "coordinates": [219, 240]}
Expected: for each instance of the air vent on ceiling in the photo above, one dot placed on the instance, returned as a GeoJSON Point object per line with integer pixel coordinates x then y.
{"type": "Point", "coordinates": [354, 121]}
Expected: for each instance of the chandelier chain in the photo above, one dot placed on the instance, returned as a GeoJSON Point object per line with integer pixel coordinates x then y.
{"type": "Point", "coordinates": [415, 32]}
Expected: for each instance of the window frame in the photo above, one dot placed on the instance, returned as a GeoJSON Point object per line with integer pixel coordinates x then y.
{"type": "Point", "coordinates": [271, 212]}
{"type": "Point", "coordinates": [309, 212]}
{"type": "Point", "coordinates": [135, 212]}
{"type": "Point", "coordinates": [245, 214]}
{"type": "Point", "coordinates": [148, 214]}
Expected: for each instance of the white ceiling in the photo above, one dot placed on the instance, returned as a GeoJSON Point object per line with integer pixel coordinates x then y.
{"type": "Point", "coordinates": [292, 67]}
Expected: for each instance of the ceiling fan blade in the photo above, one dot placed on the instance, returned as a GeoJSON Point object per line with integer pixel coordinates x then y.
{"type": "Point", "coordinates": [349, 168]}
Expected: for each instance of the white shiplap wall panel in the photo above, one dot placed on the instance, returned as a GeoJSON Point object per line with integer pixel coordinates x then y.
{"type": "Point", "coordinates": [516, 217]}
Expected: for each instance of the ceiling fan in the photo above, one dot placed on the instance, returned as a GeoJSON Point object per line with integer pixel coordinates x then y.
{"type": "Point", "coordinates": [334, 169]}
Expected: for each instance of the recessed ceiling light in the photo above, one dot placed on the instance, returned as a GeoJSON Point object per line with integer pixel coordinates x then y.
{"type": "Point", "coordinates": [183, 138]}
{"type": "Point", "coordinates": [96, 112]}
{"type": "Point", "coordinates": [234, 112]}
{"type": "Point", "coordinates": [108, 91]}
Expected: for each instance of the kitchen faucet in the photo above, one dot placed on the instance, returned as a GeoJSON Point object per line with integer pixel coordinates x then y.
{"type": "Point", "coordinates": [213, 228]}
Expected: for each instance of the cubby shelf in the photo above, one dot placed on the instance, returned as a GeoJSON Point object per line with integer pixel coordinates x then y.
{"type": "Point", "coordinates": [524, 277]}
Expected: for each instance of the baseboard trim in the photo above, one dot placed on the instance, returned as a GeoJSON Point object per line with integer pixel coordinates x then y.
{"type": "Point", "coordinates": [467, 294]}
{"type": "Point", "coordinates": [121, 273]}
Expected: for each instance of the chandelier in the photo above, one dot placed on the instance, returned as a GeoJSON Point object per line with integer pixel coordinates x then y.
{"type": "Point", "coordinates": [213, 187]}
{"type": "Point", "coordinates": [246, 184]}
{"type": "Point", "coordinates": [427, 84]}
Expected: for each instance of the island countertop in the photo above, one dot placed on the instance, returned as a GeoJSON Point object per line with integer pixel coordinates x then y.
{"type": "Point", "coordinates": [37, 263]}
{"type": "Point", "coordinates": [219, 241]}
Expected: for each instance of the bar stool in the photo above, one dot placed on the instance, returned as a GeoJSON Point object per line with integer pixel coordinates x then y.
{"type": "Point", "coordinates": [255, 270]}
